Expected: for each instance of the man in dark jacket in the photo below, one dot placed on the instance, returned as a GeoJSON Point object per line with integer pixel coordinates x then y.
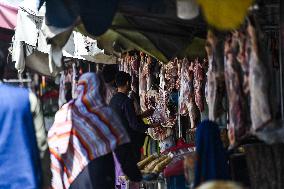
{"type": "Point", "coordinates": [124, 107]}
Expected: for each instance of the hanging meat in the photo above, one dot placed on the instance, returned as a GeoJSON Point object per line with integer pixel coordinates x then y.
{"type": "Point", "coordinates": [156, 100]}
{"type": "Point", "coordinates": [260, 109]}
{"type": "Point", "coordinates": [186, 88]}
{"type": "Point", "coordinates": [171, 74]}
{"type": "Point", "coordinates": [243, 58]}
{"type": "Point", "coordinates": [178, 80]}
{"type": "Point", "coordinates": [128, 64]}
{"type": "Point", "coordinates": [142, 82]}
{"type": "Point", "coordinates": [194, 113]}
{"type": "Point", "coordinates": [147, 72]}
{"type": "Point", "coordinates": [237, 102]}
{"type": "Point", "coordinates": [187, 104]}
{"type": "Point", "coordinates": [215, 76]}
{"type": "Point", "coordinates": [135, 64]}
{"type": "Point", "coordinates": [144, 74]}
{"type": "Point", "coordinates": [160, 133]}
{"type": "Point", "coordinates": [199, 81]}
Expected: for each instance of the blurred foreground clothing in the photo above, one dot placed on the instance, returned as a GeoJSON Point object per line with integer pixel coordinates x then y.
{"type": "Point", "coordinates": [84, 135]}
{"type": "Point", "coordinates": [24, 153]}
{"type": "Point", "coordinates": [220, 184]}
{"type": "Point", "coordinates": [211, 160]}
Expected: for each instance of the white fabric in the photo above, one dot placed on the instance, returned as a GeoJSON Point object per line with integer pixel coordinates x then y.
{"type": "Point", "coordinates": [28, 26]}
{"type": "Point", "coordinates": [85, 46]}
{"type": "Point", "coordinates": [32, 30]}
{"type": "Point", "coordinates": [101, 58]}
{"type": "Point", "coordinates": [19, 56]}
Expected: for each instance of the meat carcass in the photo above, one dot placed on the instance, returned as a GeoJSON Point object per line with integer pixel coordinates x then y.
{"type": "Point", "coordinates": [199, 81]}
{"type": "Point", "coordinates": [260, 109]}
{"type": "Point", "coordinates": [186, 88]}
{"type": "Point", "coordinates": [237, 102]}
{"type": "Point", "coordinates": [171, 74]}
{"type": "Point", "coordinates": [142, 83]}
{"type": "Point", "coordinates": [194, 113]}
{"type": "Point", "coordinates": [160, 133]}
{"type": "Point", "coordinates": [135, 64]}
{"type": "Point", "coordinates": [215, 76]}
{"type": "Point", "coordinates": [147, 73]}
{"type": "Point", "coordinates": [186, 99]}
{"type": "Point", "coordinates": [243, 58]}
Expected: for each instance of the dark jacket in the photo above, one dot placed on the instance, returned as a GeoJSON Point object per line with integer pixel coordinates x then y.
{"type": "Point", "coordinates": [135, 127]}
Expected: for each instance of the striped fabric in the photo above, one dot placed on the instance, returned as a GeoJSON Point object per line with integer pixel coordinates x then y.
{"type": "Point", "coordinates": [84, 129]}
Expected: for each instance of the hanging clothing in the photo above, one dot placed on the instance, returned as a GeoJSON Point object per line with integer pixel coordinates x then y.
{"type": "Point", "coordinates": [91, 130]}
{"type": "Point", "coordinates": [211, 161]}
{"type": "Point", "coordinates": [20, 159]}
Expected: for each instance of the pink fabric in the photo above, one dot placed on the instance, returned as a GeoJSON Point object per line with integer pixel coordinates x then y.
{"type": "Point", "coordinates": [8, 16]}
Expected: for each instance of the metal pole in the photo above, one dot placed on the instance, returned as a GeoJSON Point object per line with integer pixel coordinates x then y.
{"type": "Point", "coordinates": [281, 36]}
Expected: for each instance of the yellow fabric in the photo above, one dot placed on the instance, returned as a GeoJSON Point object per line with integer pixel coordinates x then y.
{"type": "Point", "coordinates": [225, 14]}
{"type": "Point", "coordinates": [145, 146]}
{"type": "Point", "coordinates": [146, 121]}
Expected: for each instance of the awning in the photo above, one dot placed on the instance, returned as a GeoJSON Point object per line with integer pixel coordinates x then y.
{"type": "Point", "coordinates": [8, 16]}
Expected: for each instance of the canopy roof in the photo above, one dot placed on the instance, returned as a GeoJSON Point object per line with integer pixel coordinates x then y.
{"type": "Point", "coordinates": [153, 27]}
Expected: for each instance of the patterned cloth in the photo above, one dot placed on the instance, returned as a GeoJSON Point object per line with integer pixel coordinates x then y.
{"type": "Point", "coordinates": [84, 129]}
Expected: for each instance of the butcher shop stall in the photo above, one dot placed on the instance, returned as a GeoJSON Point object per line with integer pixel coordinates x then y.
{"type": "Point", "coordinates": [230, 72]}
{"type": "Point", "coordinates": [190, 61]}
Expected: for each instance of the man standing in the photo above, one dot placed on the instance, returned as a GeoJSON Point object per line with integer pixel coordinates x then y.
{"type": "Point", "coordinates": [24, 154]}
{"type": "Point", "coordinates": [124, 107]}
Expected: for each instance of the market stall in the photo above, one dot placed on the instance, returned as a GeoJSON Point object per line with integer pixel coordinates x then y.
{"type": "Point", "coordinates": [232, 86]}
{"type": "Point", "coordinates": [224, 67]}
